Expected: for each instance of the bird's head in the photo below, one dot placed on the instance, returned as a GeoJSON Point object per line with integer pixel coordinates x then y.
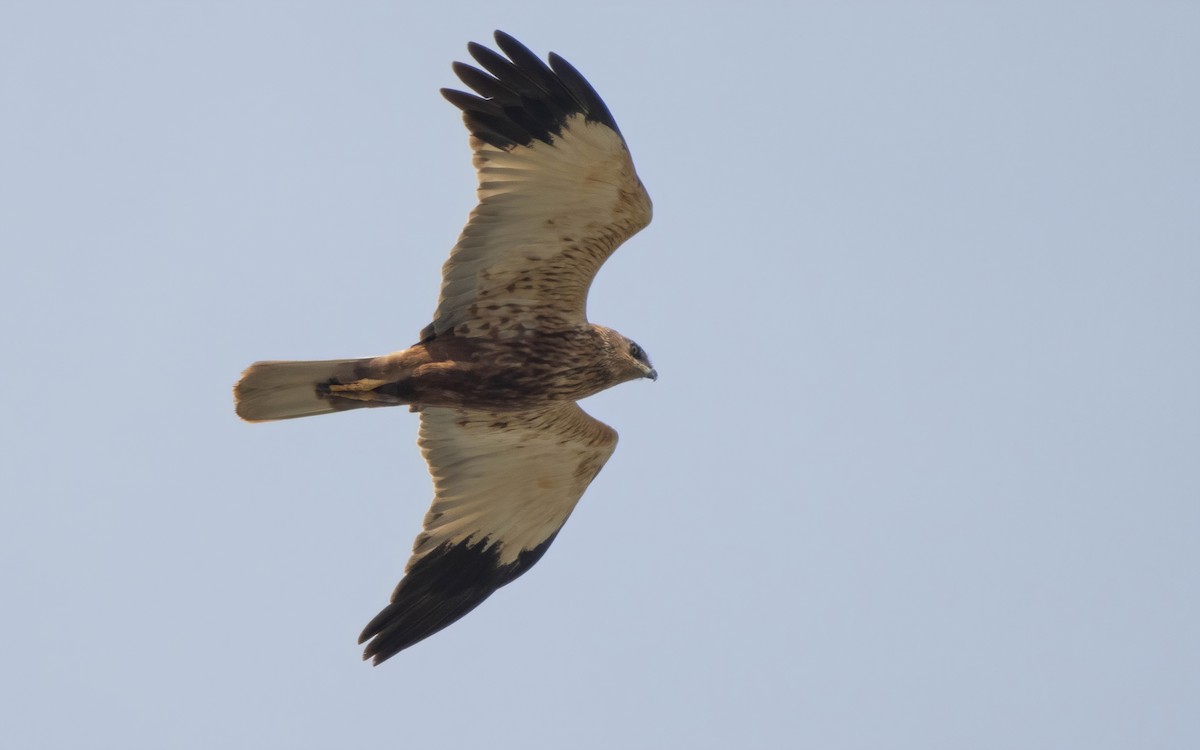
{"type": "Point", "coordinates": [627, 360]}
{"type": "Point", "coordinates": [641, 360]}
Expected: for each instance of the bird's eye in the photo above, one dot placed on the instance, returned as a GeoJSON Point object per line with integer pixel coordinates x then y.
{"type": "Point", "coordinates": [636, 352]}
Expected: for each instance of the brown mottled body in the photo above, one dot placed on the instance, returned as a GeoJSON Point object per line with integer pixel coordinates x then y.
{"type": "Point", "coordinates": [503, 375]}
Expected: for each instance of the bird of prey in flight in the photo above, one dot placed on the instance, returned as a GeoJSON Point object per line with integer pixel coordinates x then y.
{"type": "Point", "coordinates": [496, 375]}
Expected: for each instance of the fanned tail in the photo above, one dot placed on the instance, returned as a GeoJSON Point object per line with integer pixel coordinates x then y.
{"type": "Point", "coordinates": [286, 390]}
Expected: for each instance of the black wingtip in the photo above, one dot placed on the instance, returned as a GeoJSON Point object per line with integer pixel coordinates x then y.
{"type": "Point", "coordinates": [522, 99]}
{"type": "Point", "coordinates": [441, 588]}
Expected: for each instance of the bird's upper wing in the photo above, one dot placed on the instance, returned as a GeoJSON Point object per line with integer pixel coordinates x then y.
{"type": "Point", "coordinates": [504, 485]}
{"type": "Point", "coordinates": [557, 194]}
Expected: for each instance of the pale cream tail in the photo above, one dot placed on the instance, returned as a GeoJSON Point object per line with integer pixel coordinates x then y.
{"type": "Point", "coordinates": [286, 390]}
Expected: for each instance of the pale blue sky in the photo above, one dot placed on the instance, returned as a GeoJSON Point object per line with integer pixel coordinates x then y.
{"type": "Point", "coordinates": [921, 470]}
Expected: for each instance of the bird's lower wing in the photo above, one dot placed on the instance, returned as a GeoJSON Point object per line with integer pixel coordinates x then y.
{"type": "Point", "coordinates": [504, 485]}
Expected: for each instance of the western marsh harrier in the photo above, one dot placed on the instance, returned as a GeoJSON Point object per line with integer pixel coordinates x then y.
{"type": "Point", "coordinates": [497, 373]}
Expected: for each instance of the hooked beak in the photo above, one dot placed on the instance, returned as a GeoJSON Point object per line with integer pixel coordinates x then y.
{"type": "Point", "coordinates": [651, 373]}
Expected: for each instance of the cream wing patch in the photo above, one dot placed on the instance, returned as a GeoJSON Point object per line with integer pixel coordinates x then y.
{"type": "Point", "coordinates": [549, 215]}
{"type": "Point", "coordinates": [512, 478]}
